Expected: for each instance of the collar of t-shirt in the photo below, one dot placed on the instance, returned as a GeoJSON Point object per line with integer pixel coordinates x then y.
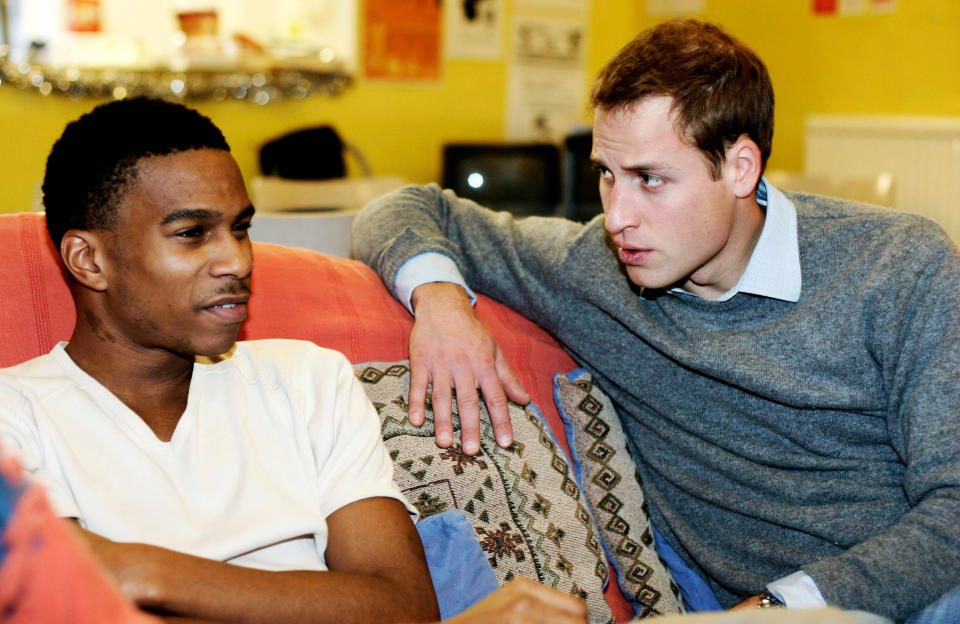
{"type": "Point", "coordinates": [774, 267]}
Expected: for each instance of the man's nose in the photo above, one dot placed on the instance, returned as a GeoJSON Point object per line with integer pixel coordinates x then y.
{"type": "Point", "coordinates": [234, 258]}
{"type": "Point", "coordinates": [620, 212]}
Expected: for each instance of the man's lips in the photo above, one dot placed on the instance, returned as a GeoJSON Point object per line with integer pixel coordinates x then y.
{"type": "Point", "coordinates": [232, 310]}
{"type": "Point", "coordinates": [632, 256]}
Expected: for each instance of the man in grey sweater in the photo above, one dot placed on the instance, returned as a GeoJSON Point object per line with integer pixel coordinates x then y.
{"type": "Point", "coordinates": [785, 367]}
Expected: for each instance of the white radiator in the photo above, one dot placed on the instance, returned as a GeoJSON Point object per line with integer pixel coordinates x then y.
{"type": "Point", "coordinates": [921, 153]}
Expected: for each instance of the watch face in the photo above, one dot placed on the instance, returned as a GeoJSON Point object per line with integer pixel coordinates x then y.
{"type": "Point", "coordinates": [769, 601]}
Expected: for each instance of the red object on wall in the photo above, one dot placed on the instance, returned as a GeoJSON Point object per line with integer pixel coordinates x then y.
{"type": "Point", "coordinates": [824, 7]}
{"type": "Point", "coordinates": [83, 15]}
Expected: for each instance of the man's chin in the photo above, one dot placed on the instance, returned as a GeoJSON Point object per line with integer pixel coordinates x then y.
{"type": "Point", "coordinates": [647, 279]}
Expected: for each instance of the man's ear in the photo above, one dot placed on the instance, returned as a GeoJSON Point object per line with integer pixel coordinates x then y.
{"type": "Point", "coordinates": [746, 165]}
{"type": "Point", "coordinates": [84, 254]}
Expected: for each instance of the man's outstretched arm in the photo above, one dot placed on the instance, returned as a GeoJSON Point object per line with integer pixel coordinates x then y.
{"type": "Point", "coordinates": [378, 572]}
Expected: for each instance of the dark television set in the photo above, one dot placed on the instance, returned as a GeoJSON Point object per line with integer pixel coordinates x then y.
{"type": "Point", "coordinates": [522, 178]}
{"type": "Point", "coordinates": [581, 190]}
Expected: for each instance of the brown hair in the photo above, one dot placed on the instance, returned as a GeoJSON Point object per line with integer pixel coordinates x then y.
{"type": "Point", "coordinates": [720, 87]}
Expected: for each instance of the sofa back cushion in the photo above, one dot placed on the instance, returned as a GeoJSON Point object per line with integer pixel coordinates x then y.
{"type": "Point", "coordinates": [35, 303]}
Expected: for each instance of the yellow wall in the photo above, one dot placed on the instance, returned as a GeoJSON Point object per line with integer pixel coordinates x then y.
{"type": "Point", "coordinates": [399, 128]}
{"type": "Point", "coordinates": [905, 63]}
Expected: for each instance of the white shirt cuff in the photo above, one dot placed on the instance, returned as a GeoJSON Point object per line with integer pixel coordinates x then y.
{"type": "Point", "coordinates": [424, 269]}
{"type": "Point", "coordinates": [797, 591]}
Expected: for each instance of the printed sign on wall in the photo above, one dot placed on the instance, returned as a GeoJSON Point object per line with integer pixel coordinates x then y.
{"type": "Point", "coordinates": [545, 91]}
{"type": "Point", "coordinates": [402, 39]}
{"type": "Point", "coordinates": [474, 28]}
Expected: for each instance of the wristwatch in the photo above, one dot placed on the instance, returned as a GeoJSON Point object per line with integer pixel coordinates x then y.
{"type": "Point", "coordinates": [769, 601]}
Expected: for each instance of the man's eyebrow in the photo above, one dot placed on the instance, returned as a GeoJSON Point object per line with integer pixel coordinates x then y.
{"type": "Point", "coordinates": [194, 214]}
{"type": "Point", "coordinates": [648, 167]}
{"type": "Point", "coordinates": [638, 168]}
{"type": "Point", "coordinates": [246, 213]}
{"type": "Point", "coordinates": [203, 214]}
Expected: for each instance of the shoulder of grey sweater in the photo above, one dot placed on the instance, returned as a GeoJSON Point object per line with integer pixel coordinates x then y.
{"type": "Point", "coordinates": [849, 231]}
{"type": "Point", "coordinates": [834, 212]}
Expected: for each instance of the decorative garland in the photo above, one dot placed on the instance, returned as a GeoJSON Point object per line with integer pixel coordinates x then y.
{"type": "Point", "coordinates": [260, 83]}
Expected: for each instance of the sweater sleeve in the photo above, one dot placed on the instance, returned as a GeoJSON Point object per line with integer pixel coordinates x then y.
{"type": "Point", "coordinates": [914, 333]}
{"type": "Point", "coordinates": [515, 261]}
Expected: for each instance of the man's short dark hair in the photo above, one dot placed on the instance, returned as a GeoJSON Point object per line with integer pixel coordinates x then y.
{"type": "Point", "coordinates": [95, 159]}
{"type": "Point", "coordinates": [720, 87]}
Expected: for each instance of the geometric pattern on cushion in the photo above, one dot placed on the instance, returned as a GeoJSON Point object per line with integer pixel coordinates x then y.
{"type": "Point", "coordinates": [525, 507]}
{"type": "Point", "coordinates": [610, 482]}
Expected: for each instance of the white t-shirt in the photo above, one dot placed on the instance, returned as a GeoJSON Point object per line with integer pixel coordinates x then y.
{"type": "Point", "coordinates": [273, 440]}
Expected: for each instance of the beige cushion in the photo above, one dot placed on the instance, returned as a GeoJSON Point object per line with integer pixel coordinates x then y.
{"type": "Point", "coordinates": [525, 507]}
{"type": "Point", "coordinates": [613, 491]}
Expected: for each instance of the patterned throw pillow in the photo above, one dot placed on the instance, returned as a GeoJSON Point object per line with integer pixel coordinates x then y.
{"type": "Point", "coordinates": [604, 469]}
{"type": "Point", "coordinates": [525, 507]}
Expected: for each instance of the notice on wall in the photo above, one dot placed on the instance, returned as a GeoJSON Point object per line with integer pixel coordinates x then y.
{"type": "Point", "coordinates": [546, 85]}
{"type": "Point", "coordinates": [883, 6]}
{"type": "Point", "coordinates": [853, 7]}
{"type": "Point", "coordinates": [474, 29]}
{"type": "Point", "coordinates": [402, 39]}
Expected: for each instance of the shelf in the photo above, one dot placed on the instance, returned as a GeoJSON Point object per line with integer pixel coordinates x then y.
{"type": "Point", "coordinates": [257, 81]}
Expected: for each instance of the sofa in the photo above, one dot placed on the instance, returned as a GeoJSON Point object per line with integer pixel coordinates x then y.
{"type": "Point", "coordinates": [561, 505]}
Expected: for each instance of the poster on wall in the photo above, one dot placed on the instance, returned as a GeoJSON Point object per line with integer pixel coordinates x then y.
{"type": "Point", "coordinates": [824, 7]}
{"type": "Point", "coordinates": [883, 6]}
{"type": "Point", "coordinates": [853, 7]}
{"type": "Point", "coordinates": [546, 84]}
{"type": "Point", "coordinates": [402, 39]}
{"type": "Point", "coordinates": [473, 29]}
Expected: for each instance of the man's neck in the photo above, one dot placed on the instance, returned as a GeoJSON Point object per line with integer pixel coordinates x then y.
{"type": "Point", "coordinates": [154, 384]}
{"type": "Point", "coordinates": [724, 271]}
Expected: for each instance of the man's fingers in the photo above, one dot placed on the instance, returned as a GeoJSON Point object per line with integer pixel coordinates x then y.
{"type": "Point", "coordinates": [524, 601]}
{"type": "Point", "coordinates": [450, 349]}
{"type": "Point", "coordinates": [468, 407]}
{"type": "Point", "coordinates": [416, 410]}
{"type": "Point", "coordinates": [497, 407]}
{"type": "Point", "coordinates": [442, 397]}
{"type": "Point", "coordinates": [549, 596]}
{"type": "Point", "coordinates": [508, 379]}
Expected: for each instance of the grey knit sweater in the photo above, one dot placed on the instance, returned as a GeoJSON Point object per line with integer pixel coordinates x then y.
{"type": "Point", "coordinates": [822, 435]}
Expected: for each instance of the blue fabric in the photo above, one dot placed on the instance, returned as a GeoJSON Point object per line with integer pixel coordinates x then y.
{"type": "Point", "coordinates": [459, 568]}
{"type": "Point", "coordinates": [8, 501]}
{"type": "Point", "coordinates": [697, 595]}
{"type": "Point", "coordinates": [945, 610]}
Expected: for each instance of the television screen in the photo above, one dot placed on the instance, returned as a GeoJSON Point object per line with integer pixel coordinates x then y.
{"type": "Point", "coordinates": [521, 178]}
{"type": "Point", "coordinates": [581, 199]}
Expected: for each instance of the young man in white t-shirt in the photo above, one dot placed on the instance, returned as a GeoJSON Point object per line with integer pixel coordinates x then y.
{"type": "Point", "coordinates": [249, 486]}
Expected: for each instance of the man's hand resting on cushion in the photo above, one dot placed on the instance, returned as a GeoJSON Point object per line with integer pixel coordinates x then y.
{"type": "Point", "coordinates": [524, 601]}
{"type": "Point", "coordinates": [451, 349]}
